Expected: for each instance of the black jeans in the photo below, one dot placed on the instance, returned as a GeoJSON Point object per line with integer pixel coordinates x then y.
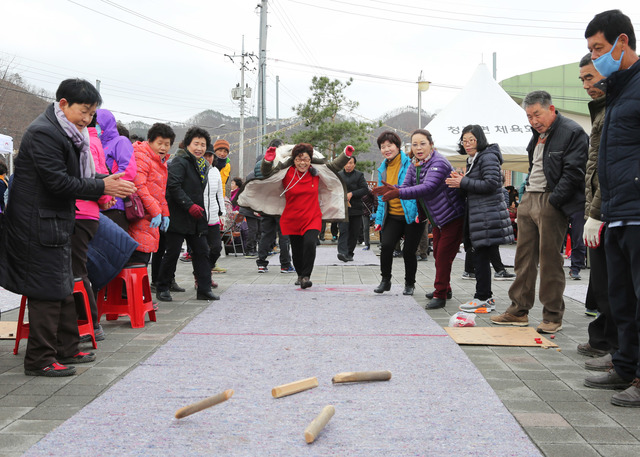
{"type": "Point", "coordinates": [270, 228]}
{"type": "Point", "coordinates": [156, 259]}
{"type": "Point", "coordinates": [349, 232]}
{"type": "Point", "coordinates": [253, 224]}
{"type": "Point", "coordinates": [214, 241]}
{"type": "Point", "coordinates": [494, 257]}
{"type": "Point", "coordinates": [603, 333]}
{"type": "Point", "coordinates": [392, 231]}
{"type": "Point", "coordinates": [482, 259]}
{"type": "Point", "coordinates": [84, 231]}
{"type": "Point", "coordinates": [365, 229]}
{"type": "Point", "coordinates": [623, 257]}
{"type": "Point", "coordinates": [303, 250]}
{"type": "Point", "coordinates": [139, 257]}
{"type": "Point", "coordinates": [199, 256]}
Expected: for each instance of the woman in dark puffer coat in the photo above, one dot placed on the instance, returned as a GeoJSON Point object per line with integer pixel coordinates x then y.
{"type": "Point", "coordinates": [487, 223]}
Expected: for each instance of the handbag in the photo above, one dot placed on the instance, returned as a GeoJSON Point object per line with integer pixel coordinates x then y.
{"type": "Point", "coordinates": [133, 209]}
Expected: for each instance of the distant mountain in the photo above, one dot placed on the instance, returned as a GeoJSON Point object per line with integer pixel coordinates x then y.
{"type": "Point", "coordinates": [18, 108]}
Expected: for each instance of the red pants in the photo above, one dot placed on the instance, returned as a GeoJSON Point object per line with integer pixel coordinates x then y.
{"type": "Point", "coordinates": [446, 242]}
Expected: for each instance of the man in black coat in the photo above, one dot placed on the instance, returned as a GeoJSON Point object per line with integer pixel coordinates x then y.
{"type": "Point", "coordinates": [53, 169]}
{"type": "Point", "coordinates": [612, 42]}
{"type": "Point", "coordinates": [555, 190]}
{"type": "Point", "coordinates": [356, 189]}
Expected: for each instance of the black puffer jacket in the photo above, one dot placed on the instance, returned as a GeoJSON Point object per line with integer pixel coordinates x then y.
{"type": "Point", "coordinates": [35, 251]}
{"type": "Point", "coordinates": [357, 185]}
{"type": "Point", "coordinates": [487, 218]}
{"type": "Point", "coordinates": [619, 156]}
{"type": "Point", "coordinates": [564, 159]}
{"type": "Point", "coordinates": [185, 188]}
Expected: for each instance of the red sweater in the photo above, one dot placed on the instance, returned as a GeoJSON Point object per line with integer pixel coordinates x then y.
{"type": "Point", "coordinates": [302, 208]}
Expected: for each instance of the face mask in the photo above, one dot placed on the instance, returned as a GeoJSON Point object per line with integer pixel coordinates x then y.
{"type": "Point", "coordinates": [606, 64]}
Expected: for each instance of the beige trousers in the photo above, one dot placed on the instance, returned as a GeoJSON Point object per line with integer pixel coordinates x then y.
{"type": "Point", "coordinates": [541, 231]}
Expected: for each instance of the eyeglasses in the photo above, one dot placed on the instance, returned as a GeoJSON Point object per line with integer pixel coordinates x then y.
{"type": "Point", "coordinates": [302, 160]}
{"type": "Point", "coordinates": [469, 141]}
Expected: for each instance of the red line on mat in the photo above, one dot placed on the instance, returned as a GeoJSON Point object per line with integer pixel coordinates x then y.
{"type": "Point", "coordinates": [306, 334]}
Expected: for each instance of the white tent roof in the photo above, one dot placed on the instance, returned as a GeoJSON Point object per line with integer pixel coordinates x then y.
{"type": "Point", "coordinates": [484, 102]}
{"type": "Point", "coordinates": [6, 144]}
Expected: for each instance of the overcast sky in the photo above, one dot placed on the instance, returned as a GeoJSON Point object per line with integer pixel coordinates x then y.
{"type": "Point", "coordinates": [165, 59]}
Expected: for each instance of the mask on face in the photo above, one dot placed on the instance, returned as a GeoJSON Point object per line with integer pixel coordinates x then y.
{"type": "Point", "coordinates": [606, 64]}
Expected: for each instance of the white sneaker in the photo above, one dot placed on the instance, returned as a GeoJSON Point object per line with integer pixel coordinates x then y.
{"type": "Point", "coordinates": [479, 306]}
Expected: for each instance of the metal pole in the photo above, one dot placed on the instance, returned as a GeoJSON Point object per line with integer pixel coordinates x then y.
{"type": "Point", "coordinates": [419, 102]}
{"type": "Point", "coordinates": [241, 147]}
{"type": "Point", "coordinates": [277, 102]}
{"type": "Point", "coordinates": [98, 85]}
{"type": "Point", "coordinates": [495, 64]}
{"type": "Point", "coordinates": [262, 78]}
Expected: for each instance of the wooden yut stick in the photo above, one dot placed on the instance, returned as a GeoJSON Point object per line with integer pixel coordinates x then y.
{"type": "Point", "coordinates": [316, 425]}
{"type": "Point", "coordinates": [358, 376]}
{"type": "Point", "coordinates": [294, 387]}
{"type": "Point", "coordinates": [204, 404]}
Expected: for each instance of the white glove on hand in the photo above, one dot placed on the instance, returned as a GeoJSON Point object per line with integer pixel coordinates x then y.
{"type": "Point", "coordinates": [591, 232]}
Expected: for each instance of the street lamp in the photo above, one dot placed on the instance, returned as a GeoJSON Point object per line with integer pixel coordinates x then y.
{"type": "Point", "coordinates": [423, 86]}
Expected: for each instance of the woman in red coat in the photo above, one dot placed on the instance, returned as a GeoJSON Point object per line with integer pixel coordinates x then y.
{"type": "Point", "coordinates": [151, 181]}
{"type": "Point", "coordinates": [302, 217]}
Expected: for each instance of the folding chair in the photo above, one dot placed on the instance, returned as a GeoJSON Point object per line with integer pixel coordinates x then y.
{"type": "Point", "coordinates": [231, 234]}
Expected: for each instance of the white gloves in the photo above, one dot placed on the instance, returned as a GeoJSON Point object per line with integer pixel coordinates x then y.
{"type": "Point", "coordinates": [591, 232]}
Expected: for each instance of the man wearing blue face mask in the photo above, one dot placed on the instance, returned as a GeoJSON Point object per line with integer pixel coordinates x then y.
{"type": "Point", "coordinates": [612, 43]}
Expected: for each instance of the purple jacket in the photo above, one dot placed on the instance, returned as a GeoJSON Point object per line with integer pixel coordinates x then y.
{"type": "Point", "coordinates": [443, 203]}
{"type": "Point", "coordinates": [118, 150]}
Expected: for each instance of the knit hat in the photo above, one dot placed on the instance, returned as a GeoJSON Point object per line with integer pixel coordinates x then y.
{"type": "Point", "coordinates": [221, 144]}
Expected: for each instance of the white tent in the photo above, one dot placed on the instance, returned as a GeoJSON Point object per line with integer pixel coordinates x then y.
{"type": "Point", "coordinates": [484, 102]}
{"type": "Point", "coordinates": [6, 144]}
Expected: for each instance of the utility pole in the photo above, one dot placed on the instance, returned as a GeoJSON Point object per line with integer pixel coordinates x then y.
{"type": "Point", "coordinates": [277, 102]}
{"type": "Point", "coordinates": [240, 92]}
{"type": "Point", "coordinates": [262, 78]}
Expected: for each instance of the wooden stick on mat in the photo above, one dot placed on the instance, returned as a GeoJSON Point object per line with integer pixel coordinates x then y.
{"type": "Point", "coordinates": [357, 376]}
{"type": "Point", "coordinates": [204, 404]}
{"type": "Point", "coordinates": [294, 387]}
{"type": "Point", "coordinates": [316, 425]}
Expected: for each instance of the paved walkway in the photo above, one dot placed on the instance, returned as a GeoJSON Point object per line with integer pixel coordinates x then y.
{"type": "Point", "coordinates": [542, 388]}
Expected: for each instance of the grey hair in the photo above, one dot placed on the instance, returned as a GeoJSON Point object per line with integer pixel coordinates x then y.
{"type": "Point", "coordinates": [586, 60]}
{"type": "Point", "coordinates": [537, 96]}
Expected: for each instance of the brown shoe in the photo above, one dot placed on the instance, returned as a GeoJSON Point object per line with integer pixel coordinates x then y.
{"type": "Point", "coordinates": [603, 363]}
{"type": "Point", "coordinates": [629, 397]}
{"type": "Point", "coordinates": [610, 380]}
{"type": "Point", "coordinates": [549, 327]}
{"type": "Point", "coordinates": [590, 351]}
{"type": "Point", "coordinates": [510, 319]}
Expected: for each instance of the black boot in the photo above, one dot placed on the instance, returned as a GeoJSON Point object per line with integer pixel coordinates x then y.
{"type": "Point", "coordinates": [305, 283]}
{"type": "Point", "coordinates": [436, 303]}
{"type": "Point", "coordinates": [385, 286]}
{"type": "Point", "coordinates": [429, 295]}
{"type": "Point", "coordinates": [408, 289]}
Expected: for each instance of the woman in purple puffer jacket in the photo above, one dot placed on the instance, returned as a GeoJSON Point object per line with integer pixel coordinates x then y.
{"type": "Point", "coordinates": [438, 203]}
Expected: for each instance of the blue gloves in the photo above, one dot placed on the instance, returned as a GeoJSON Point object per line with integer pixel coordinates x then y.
{"type": "Point", "coordinates": [165, 223]}
{"type": "Point", "coordinates": [155, 222]}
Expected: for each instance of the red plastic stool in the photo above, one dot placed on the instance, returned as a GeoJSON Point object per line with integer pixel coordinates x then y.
{"type": "Point", "coordinates": [139, 299]}
{"type": "Point", "coordinates": [85, 327]}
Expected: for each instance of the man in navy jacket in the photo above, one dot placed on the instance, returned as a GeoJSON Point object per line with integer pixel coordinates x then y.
{"type": "Point", "coordinates": [612, 42]}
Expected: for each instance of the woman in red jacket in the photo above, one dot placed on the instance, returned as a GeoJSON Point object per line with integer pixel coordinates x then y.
{"type": "Point", "coordinates": [151, 181]}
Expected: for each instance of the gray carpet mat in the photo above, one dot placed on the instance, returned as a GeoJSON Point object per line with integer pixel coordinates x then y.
{"type": "Point", "coordinates": [258, 337]}
{"type": "Point", "coordinates": [8, 300]}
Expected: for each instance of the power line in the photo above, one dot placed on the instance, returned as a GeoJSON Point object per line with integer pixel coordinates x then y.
{"type": "Point", "coordinates": [387, 19]}
{"type": "Point", "coordinates": [102, 13]}
{"type": "Point", "coordinates": [154, 21]}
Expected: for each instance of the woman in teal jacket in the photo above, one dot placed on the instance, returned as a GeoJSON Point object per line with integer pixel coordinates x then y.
{"type": "Point", "coordinates": [396, 218]}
